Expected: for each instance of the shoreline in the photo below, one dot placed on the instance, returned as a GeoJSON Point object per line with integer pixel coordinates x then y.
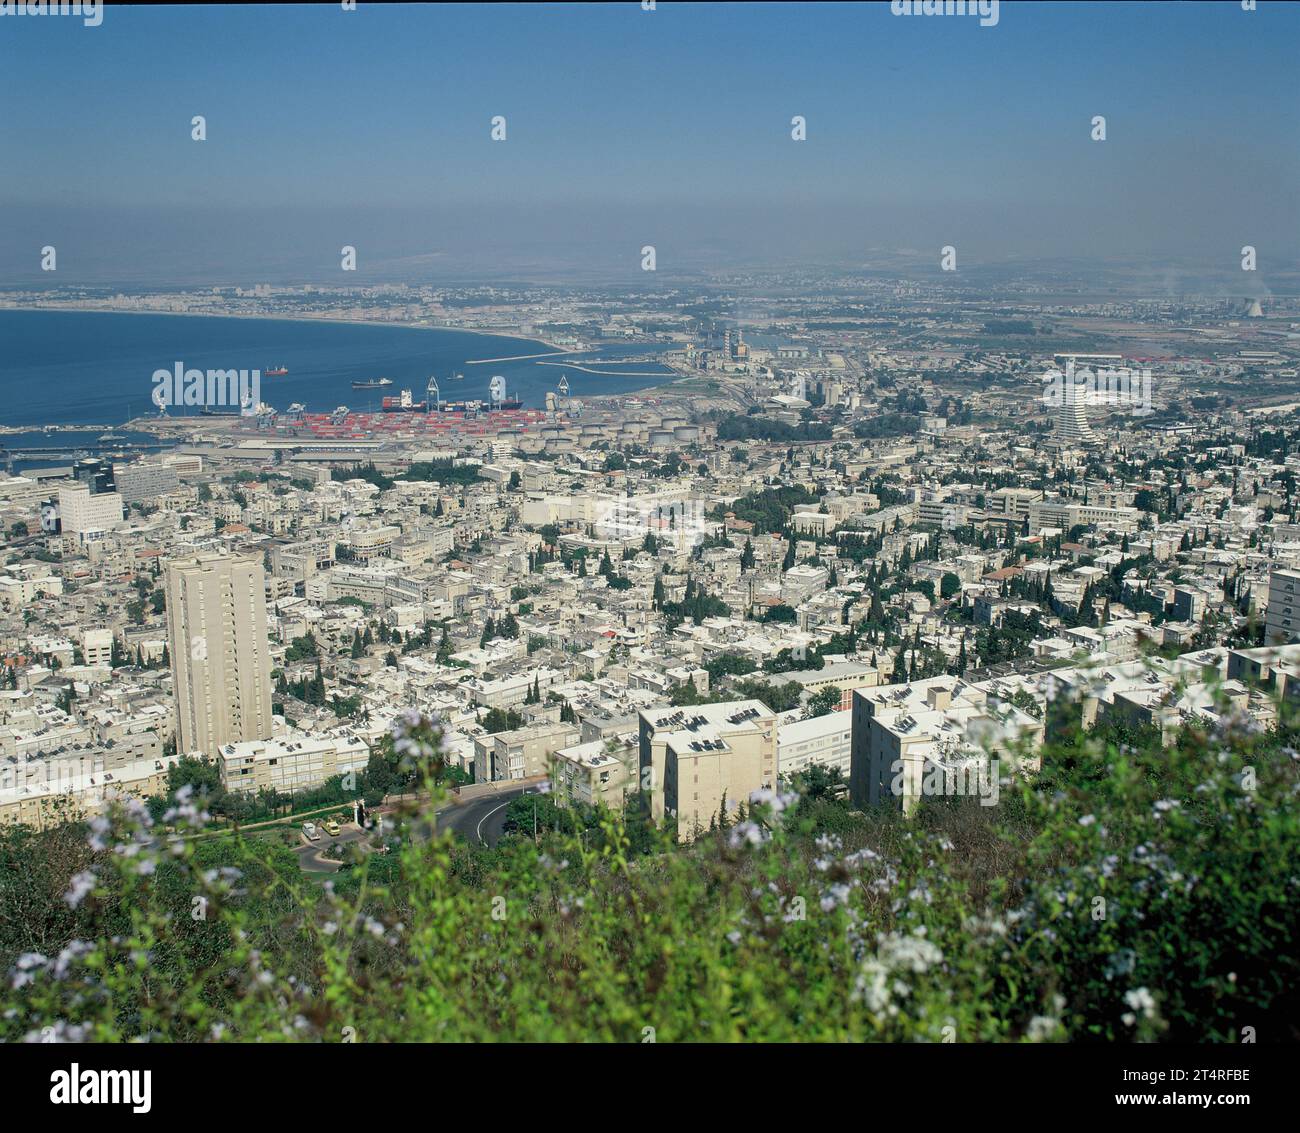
{"type": "Point", "coordinates": [149, 424]}
{"type": "Point", "coordinates": [294, 319]}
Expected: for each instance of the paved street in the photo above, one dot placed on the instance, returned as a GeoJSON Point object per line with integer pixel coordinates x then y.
{"type": "Point", "coordinates": [479, 820]}
{"type": "Point", "coordinates": [482, 820]}
{"type": "Point", "coordinates": [313, 857]}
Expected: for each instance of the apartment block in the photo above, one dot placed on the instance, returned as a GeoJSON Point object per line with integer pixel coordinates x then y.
{"type": "Point", "coordinates": [936, 736]}
{"type": "Point", "coordinates": [698, 760]}
{"type": "Point", "coordinates": [65, 791]}
{"type": "Point", "coordinates": [523, 753]}
{"type": "Point", "coordinates": [824, 741]}
{"type": "Point", "coordinates": [597, 773]}
{"type": "Point", "coordinates": [220, 655]}
{"type": "Point", "coordinates": [1282, 621]}
{"type": "Point", "coordinates": [291, 763]}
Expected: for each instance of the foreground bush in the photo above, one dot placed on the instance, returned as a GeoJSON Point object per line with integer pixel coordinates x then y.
{"type": "Point", "coordinates": [1129, 893]}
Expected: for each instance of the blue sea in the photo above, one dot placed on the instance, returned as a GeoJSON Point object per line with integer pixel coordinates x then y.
{"type": "Point", "coordinates": [77, 368]}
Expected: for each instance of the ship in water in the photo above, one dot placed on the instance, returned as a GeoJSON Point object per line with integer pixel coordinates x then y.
{"type": "Point", "coordinates": [373, 383]}
{"type": "Point", "coordinates": [275, 372]}
{"type": "Point", "coordinates": [497, 399]}
{"type": "Point", "coordinates": [497, 396]}
{"type": "Point", "coordinates": [404, 403]}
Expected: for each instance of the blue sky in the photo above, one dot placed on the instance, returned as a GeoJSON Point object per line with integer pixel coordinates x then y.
{"type": "Point", "coordinates": [683, 112]}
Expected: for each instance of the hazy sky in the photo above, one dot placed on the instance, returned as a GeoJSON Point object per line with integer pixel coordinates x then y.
{"type": "Point", "coordinates": [628, 127]}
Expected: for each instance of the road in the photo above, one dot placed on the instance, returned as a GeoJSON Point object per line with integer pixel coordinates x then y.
{"type": "Point", "coordinates": [315, 857]}
{"type": "Point", "coordinates": [481, 821]}
{"type": "Point", "coordinates": [478, 821]}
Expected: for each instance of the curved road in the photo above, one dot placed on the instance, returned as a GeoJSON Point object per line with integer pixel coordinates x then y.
{"type": "Point", "coordinates": [479, 821]}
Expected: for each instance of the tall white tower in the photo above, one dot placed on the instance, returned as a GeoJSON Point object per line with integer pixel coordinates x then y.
{"type": "Point", "coordinates": [1072, 414]}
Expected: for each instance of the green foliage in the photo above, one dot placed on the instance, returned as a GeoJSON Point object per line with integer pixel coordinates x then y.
{"type": "Point", "coordinates": [502, 720]}
{"type": "Point", "coordinates": [770, 509]}
{"type": "Point", "coordinates": [804, 922]}
{"type": "Point", "coordinates": [302, 648]}
{"type": "Point", "coordinates": [738, 428]}
{"type": "Point", "coordinates": [823, 703]}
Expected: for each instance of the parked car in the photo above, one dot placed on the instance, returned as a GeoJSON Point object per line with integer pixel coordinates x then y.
{"type": "Point", "coordinates": [313, 834]}
{"type": "Point", "coordinates": [332, 827]}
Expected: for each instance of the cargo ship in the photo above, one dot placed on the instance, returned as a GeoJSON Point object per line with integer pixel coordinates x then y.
{"type": "Point", "coordinates": [404, 403]}
{"type": "Point", "coordinates": [477, 406]}
{"type": "Point", "coordinates": [373, 383]}
{"type": "Point", "coordinates": [275, 372]}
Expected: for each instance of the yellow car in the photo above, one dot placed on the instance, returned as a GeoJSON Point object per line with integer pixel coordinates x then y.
{"type": "Point", "coordinates": [332, 827]}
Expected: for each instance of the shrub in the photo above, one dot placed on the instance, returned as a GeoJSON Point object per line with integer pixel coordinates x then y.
{"type": "Point", "coordinates": [803, 921]}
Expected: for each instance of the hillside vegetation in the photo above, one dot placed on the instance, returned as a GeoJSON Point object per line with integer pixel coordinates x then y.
{"type": "Point", "coordinates": [1127, 893]}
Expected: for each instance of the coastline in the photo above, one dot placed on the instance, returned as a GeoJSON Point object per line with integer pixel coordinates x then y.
{"type": "Point", "coordinates": [151, 425]}
{"type": "Point", "coordinates": [82, 310]}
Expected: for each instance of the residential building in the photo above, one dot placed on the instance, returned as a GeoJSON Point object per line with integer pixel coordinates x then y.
{"type": "Point", "coordinates": [220, 654]}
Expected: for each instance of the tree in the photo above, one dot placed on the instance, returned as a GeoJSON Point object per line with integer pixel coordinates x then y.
{"type": "Point", "coordinates": [817, 784]}
{"type": "Point", "coordinates": [822, 702]}
{"type": "Point", "coordinates": [497, 720]}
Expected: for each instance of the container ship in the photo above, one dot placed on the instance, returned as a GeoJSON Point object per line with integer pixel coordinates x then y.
{"type": "Point", "coordinates": [477, 406]}
{"type": "Point", "coordinates": [275, 372]}
{"type": "Point", "coordinates": [404, 403]}
{"type": "Point", "coordinates": [497, 396]}
{"type": "Point", "coordinates": [497, 399]}
{"type": "Point", "coordinates": [373, 383]}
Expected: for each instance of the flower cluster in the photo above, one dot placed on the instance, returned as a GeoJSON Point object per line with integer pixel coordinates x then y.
{"type": "Point", "coordinates": [417, 738]}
